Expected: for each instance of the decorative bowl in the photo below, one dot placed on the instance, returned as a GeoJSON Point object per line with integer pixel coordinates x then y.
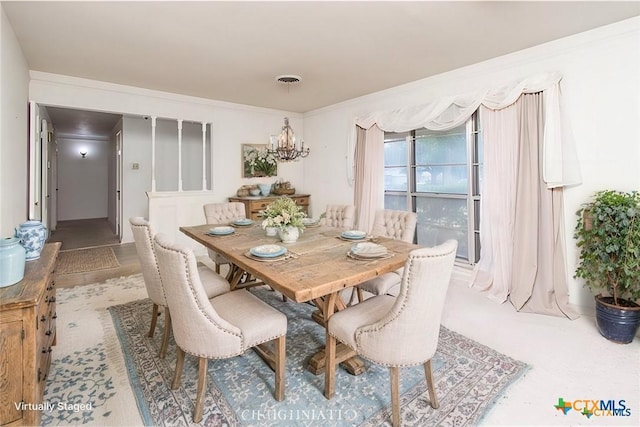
{"type": "Point", "coordinates": [265, 189]}
{"type": "Point", "coordinates": [254, 191]}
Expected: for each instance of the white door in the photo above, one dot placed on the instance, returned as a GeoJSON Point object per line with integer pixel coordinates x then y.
{"type": "Point", "coordinates": [119, 184]}
{"type": "Point", "coordinates": [52, 183]}
{"type": "Point", "coordinates": [35, 165]}
{"type": "Point", "coordinates": [44, 173]}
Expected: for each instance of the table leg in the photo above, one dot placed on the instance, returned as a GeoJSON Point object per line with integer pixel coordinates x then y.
{"type": "Point", "coordinates": [344, 355]}
{"type": "Point", "coordinates": [330, 350]}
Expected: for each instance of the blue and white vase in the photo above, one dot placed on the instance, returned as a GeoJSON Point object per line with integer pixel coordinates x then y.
{"type": "Point", "coordinates": [12, 257]}
{"type": "Point", "coordinates": [32, 235]}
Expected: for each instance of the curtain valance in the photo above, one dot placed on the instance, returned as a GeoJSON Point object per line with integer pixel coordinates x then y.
{"type": "Point", "coordinates": [560, 167]}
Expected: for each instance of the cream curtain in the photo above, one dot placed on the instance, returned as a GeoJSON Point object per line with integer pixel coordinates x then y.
{"type": "Point", "coordinates": [369, 184]}
{"type": "Point", "coordinates": [500, 129]}
{"type": "Point", "coordinates": [521, 219]}
{"type": "Point", "coordinates": [539, 277]}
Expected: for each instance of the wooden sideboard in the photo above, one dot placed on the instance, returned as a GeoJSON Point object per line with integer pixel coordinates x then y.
{"type": "Point", "coordinates": [27, 334]}
{"type": "Point", "coordinates": [254, 204]}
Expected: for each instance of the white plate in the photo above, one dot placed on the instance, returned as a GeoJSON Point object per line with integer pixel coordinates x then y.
{"type": "Point", "coordinates": [268, 251]}
{"type": "Point", "coordinates": [354, 234]}
{"type": "Point", "coordinates": [221, 231]}
{"type": "Point", "coordinates": [243, 221]}
{"type": "Point", "coordinates": [309, 221]}
{"type": "Point", "coordinates": [368, 250]}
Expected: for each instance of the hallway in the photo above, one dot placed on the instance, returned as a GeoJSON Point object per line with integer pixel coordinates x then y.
{"type": "Point", "coordinates": [84, 233]}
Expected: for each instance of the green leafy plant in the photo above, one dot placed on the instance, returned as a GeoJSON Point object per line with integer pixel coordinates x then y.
{"type": "Point", "coordinates": [281, 213]}
{"type": "Point", "coordinates": [608, 235]}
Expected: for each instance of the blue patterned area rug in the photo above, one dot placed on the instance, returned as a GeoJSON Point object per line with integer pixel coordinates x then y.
{"type": "Point", "coordinates": [469, 378]}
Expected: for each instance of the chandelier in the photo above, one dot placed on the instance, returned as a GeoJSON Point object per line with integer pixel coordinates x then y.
{"type": "Point", "coordinates": [285, 146]}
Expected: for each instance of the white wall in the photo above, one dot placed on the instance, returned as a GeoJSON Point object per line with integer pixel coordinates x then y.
{"type": "Point", "coordinates": [14, 96]}
{"type": "Point", "coordinates": [601, 88]}
{"type": "Point", "coordinates": [82, 182]}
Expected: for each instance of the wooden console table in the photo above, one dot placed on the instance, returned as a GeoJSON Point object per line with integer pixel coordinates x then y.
{"type": "Point", "coordinates": [254, 204]}
{"type": "Point", "coordinates": [27, 333]}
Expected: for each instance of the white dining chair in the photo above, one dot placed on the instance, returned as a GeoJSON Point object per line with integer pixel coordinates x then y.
{"type": "Point", "coordinates": [397, 332]}
{"type": "Point", "coordinates": [218, 328]}
{"type": "Point", "coordinates": [143, 235]}
{"type": "Point", "coordinates": [222, 213]}
{"type": "Point", "coordinates": [396, 224]}
{"type": "Point", "coordinates": [339, 216]}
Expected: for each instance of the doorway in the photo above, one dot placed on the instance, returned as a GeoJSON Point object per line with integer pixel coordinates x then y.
{"type": "Point", "coordinates": [80, 154]}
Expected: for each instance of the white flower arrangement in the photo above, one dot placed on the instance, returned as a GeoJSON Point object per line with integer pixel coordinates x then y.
{"type": "Point", "coordinates": [283, 213]}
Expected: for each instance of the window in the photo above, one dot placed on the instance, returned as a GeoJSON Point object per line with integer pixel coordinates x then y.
{"type": "Point", "coordinates": [438, 175]}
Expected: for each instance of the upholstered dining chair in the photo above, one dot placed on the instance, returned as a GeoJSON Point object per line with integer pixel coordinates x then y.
{"type": "Point", "coordinates": [398, 332]}
{"type": "Point", "coordinates": [222, 213]}
{"type": "Point", "coordinates": [143, 235]}
{"type": "Point", "coordinates": [396, 224]}
{"type": "Point", "coordinates": [216, 328]}
{"type": "Point", "coordinates": [339, 216]}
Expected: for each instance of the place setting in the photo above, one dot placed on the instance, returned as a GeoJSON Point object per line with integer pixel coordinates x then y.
{"type": "Point", "coordinates": [353, 235]}
{"type": "Point", "coordinates": [242, 222]}
{"type": "Point", "coordinates": [267, 253]}
{"type": "Point", "coordinates": [310, 222]}
{"type": "Point", "coordinates": [223, 230]}
{"type": "Point", "coordinates": [367, 251]}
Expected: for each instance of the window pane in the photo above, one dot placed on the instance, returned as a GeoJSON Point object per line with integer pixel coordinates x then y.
{"type": "Point", "coordinates": [395, 153]}
{"type": "Point", "coordinates": [395, 179]}
{"type": "Point", "coordinates": [447, 148]}
{"type": "Point", "coordinates": [440, 219]}
{"type": "Point", "coordinates": [441, 179]}
{"type": "Point", "coordinates": [398, 203]}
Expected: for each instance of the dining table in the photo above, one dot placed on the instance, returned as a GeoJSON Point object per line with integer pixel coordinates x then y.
{"type": "Point", "coordinates": [315, 269]}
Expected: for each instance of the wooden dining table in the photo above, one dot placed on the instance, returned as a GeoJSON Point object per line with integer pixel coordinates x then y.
{"type": "Point", "coordinates": [315, 269]}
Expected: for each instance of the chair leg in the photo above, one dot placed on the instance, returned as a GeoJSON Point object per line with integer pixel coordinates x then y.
{"type": "Point", "coordinates": [167, 332]}
{"type": "Point", "coordinates": [330, 367]}
{"type": "Point", "coordinates": [217, 268]}
{"type": "Point", "coordinates": [280, 359]}
{"type": "Point", "coordinates": [202, 386]}
{"type": "Point", "coordinates": [177, 375]}
{"type": "Point", "coordinates": [154, 319]}
{"type": "Point", "coordinates": [428, 374]}
{"type": "Point", "coordinates": [360, 296]}
{"type": "Point", "coordinates": [395, 396]}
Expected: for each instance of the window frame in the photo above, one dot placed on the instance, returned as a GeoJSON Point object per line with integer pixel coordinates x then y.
{"type": "Point", "coordinates": [473, 137]}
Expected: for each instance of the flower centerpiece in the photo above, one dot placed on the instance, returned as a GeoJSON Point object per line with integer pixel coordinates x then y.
{"type": "Point", "coordinates": [285, 215]}
{"type": "Point", "coordinates": [259, 163]}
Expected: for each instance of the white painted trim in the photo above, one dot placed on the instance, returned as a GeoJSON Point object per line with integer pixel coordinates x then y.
{"type": "Point", "coordinates": [51, 79]}
{"type": "Point", "coordinates": [169, 194]}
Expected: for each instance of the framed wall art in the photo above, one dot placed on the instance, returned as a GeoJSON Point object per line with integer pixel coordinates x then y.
{"type": "Point", "coordinates": [257, 162]}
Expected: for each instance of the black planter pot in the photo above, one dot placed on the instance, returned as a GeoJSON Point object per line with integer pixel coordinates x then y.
{"type": "Point", "coordinates": [615, 323]}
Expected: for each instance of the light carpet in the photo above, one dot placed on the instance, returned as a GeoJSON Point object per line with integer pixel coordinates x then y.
{"type": "Point", "coordinates": [83, 260]}
{"type": "Point", "coordinates": [469, 377]}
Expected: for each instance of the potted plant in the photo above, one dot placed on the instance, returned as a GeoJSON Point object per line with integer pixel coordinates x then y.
{"type": "Point", "coordinates": [285, 215]}
{"type": "Point", "coordinates": [608, 235]}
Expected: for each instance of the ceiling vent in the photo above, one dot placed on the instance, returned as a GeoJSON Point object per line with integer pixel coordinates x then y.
{"type": "Point", "coordinates": [288, 78]}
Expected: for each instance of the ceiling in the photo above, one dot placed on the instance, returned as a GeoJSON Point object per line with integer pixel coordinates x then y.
{"type": "Point", "coordinates": [233, 51]}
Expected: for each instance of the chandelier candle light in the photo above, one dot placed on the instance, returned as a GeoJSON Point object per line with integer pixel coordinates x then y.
{"type": "Point", "coordinates": [285, 146]}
